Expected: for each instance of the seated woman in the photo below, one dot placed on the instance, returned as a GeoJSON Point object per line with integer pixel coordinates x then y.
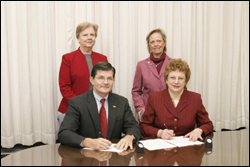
{"type": "Point", "coordinates": [175, 110]}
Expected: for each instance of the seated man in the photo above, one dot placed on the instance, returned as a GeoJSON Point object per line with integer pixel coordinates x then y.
{"type": "Point", "coordinates": [97, 116]}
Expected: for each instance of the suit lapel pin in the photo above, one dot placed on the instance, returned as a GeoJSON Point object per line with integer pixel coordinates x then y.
{"type": "Point", "coordinates": [114, 106]}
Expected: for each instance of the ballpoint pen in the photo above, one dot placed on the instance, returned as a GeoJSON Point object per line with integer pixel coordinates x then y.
{"type": "Point", "coordinates": [101, 135]}
{"type": "Point", "coordinates": [165, 126]}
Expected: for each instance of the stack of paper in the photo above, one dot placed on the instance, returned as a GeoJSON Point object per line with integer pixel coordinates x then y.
{"type": "Point", "coordinates": [156, 144]}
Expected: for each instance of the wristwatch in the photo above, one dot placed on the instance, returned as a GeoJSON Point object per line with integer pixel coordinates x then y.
{"type": "Point", "coordinates": [200, 130]}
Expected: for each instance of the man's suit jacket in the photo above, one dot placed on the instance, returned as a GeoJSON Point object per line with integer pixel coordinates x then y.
{"type": "Point", "coordinates": [147, 80]}
{"type": "Point", "coordinates": [74, 75]}
{"type": "Point", "coordinates": [160, 110]}
{"type": "Point", "coordinates": [82, 119]}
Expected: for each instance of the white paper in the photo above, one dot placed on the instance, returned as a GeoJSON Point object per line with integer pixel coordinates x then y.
{"type": "Point", "coordinates": [110, 149]}
{"type": "Point", "coordinates": [156, 144]}
{"type": "Point", "coordinates": [180, 141]}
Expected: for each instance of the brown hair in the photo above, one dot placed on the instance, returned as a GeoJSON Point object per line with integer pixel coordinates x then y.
{"type": "Point", "coordinates": [177, 64]}
{"type": "Point", "coordinates": [164, 37]}
{"type": "Point", "coordinates": [83, 26]}
{"type": "Point", "coordinates": [102, 66]}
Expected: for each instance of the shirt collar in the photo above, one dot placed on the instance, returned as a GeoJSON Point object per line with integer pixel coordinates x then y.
{"type": "Point", "coordinates": [98, 98]}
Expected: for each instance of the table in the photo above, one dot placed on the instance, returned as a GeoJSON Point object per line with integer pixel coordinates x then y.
{"type": "Point", "coordinates": [230, 148]}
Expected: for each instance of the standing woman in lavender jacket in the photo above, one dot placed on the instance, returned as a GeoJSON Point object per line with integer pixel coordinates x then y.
{"type": "Point", "coordinates": [149, 73]}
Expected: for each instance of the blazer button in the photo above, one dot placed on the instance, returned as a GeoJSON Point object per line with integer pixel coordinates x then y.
{"type": "Point", "coordinates": [175, 120]}
{"type": "Point", "coordinates": [175, 128]}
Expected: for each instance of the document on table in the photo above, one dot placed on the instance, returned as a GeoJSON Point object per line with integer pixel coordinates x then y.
{"type": "Point", "coordinates": [110, 149]}
{"type": "Point", "coordinates": [156, 144]}
{"type": "Point", "coordinates": [181, 141]}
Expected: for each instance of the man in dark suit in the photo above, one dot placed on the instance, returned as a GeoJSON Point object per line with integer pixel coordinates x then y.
{"type": "Point", "coordinates": [81, 126]}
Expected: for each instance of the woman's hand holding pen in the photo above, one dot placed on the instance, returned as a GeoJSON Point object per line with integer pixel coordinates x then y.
{"type": "Point", "coordinates": [165, 133]}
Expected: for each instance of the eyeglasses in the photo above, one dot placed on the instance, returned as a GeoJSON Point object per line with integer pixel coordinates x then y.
{"type": "Point", "coordinates": [179, 79]}
{"type": "Point", "coordinates": [102, 79]}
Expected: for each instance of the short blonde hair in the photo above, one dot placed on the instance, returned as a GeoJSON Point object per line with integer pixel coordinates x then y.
{"type": "Point", "coordinates": [83, 26]}
{"type": "Point", "coordinates": [164, 37]}
{"type": "Point", "coordinates": [177, 64]}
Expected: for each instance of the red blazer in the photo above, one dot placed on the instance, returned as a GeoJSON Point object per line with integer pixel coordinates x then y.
{"type": "Point", "coordinates": [160, 110]}
{"type": "Point", "coordinates": [74, 75]}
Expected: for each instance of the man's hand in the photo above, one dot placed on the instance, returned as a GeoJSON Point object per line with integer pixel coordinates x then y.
{"type": "Point", "coordinates": [96, 144]}
{"type": "Point", "coordinates": [125, 142]}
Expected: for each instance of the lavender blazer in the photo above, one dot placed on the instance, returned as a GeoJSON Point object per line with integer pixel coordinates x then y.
{"type": "Point", "coordinates": [147, 80]}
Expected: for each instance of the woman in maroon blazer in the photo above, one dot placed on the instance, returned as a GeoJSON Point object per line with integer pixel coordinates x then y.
{"type": "Point", "coordinates": [175, 110]}
{"type": "Point", "coordinates": [76, 66]}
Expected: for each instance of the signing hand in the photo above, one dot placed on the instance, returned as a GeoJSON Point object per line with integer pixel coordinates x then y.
{"type": "Point", "coordinates": [165, 134]}
{"type": "Point", "coordinates": [97, 144]}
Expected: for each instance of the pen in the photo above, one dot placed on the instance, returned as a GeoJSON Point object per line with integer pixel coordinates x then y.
{"type": "Point", "coordinates": [165, 126]}
{"type": "Point", "coordinates": [101, 135]}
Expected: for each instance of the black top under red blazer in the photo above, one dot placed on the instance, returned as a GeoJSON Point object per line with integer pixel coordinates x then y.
{"type": "Point", "coordinates": [74, 75]}
{"type": "Point", "coordinates": [160, 110]}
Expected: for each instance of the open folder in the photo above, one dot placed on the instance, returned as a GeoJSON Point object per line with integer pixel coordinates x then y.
{"type": "Point", "coordinates": [156, 144]}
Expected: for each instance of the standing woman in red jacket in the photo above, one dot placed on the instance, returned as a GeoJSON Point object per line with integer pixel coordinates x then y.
{"type": "Point", "coordinates": [76, 66]}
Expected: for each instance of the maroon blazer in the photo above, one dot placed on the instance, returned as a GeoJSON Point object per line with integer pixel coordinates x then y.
{"type": "Point", "coordinates": [160, 110]}
{"type": "Point", "coordinates": [74, 75]}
